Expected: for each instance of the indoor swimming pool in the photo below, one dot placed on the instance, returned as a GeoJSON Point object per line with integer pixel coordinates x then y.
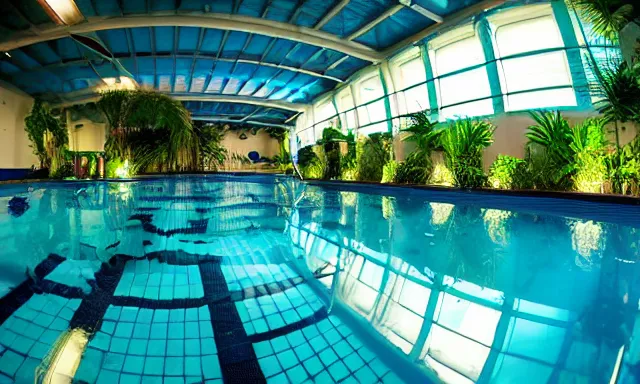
{"type": "Point", "coordinates": [251, 279]}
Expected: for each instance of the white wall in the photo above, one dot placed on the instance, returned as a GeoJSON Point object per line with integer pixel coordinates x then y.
{"type": "Point", "coordinates": [14, 143]}
{"type": "Point", "coordinates": [89, 138]}
{"type": "Point", "coordinates": [261, 143]}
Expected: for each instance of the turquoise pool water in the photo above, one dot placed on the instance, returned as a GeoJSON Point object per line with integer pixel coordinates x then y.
{"type": "Point", "coordinates": [249, 279]}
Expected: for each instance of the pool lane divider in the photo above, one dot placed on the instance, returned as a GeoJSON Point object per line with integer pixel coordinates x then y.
{"type": "Point", "coordinates": [238, 361]}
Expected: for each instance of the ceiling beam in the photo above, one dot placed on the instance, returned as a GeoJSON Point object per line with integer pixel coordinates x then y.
{"type": "Point", "coordinates": [202, 57]}
{"type": "Point", "coordinates": [422, 10]}
{"type": "Point", "coordinates": [216, 98]}
{"type": "Point", "coordinates": [385, 15]}
{"type": "Point", "coordinates": [448, 22]}
{"type": "Point", "coordinates": [215, 21]}
{"type": "Point", "coordinates": [331, 14]}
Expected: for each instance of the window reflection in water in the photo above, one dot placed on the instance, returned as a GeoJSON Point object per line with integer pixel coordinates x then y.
{"type": "Point", "coordinates": [525, 314]}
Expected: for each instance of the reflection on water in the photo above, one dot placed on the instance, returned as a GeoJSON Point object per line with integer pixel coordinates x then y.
{"type": "Point", "coordinates": [466, 291]}
{"type": "Point", "coordinates": [481, 294]}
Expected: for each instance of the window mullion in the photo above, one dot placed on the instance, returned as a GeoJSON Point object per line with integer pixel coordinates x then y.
{"type": "Point", "coordinates": [578, 77]}
{"type": "Point", "coordinates": [484, 32]}
{"type": "Point", "coordinates": [431, 85]}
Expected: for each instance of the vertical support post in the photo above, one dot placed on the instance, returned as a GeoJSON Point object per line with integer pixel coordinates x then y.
{"type": "Point", "coordinates": [484, 33]}
{"type": "Point", "coordinates": [578, 77]}
{"type": "Point", "coordinates": [431, 85]}
{"type": "Point", "coordinates": [387, 104]}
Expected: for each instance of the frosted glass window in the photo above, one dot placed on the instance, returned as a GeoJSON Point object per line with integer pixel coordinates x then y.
{"type": "Point", "coordinates": [469, 319]}
{"type": "Point", "coordinates": [549, 69]}
{"type": "Point", "coordinates": [323, 112]}
{"type": "Point", "coordinates": [466, 86]}
{"type": "Point", "coordinates": [415, 99]}
{"type": "Point", "coordinates": [457, 352]}
{"type": "Point", "coordinates": [369, 90]}
{"type": "Point", "coordinates": [510, 369]}
{"type": "Point", "coordinates": [534, 340]}
{"type": "Point", "coordinates": [347, 113]}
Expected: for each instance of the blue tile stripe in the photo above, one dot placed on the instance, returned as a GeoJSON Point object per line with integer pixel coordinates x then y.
{"type": "Point", "coordinates": [238, 360]}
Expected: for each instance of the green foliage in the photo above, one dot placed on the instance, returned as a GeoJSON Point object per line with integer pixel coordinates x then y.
{"type": "Point", "coordinates": [372, 154]}
{"type": "Point", "coordinates": [48, 136]}
{"type": "Point", "coordinates": [283, 159]}
{"type": "Point", "coordinates": [151, 129]}
{"type": "Point", "coordinates": [111, 166]}
{"type": "Point", "coordinates": [607, 17]}
{"type": "Point", "coordinates": [64, 171]}
{"type": "Point", "coordinates": [619, 87]}
{"type": "Point", "coordinates": [508, 172]}
{"type": "Point", "coordinates": [212, 153]}
{"type": "Point", "coordinates": [550, 150]}
{"type": "Point", "coordinates": [463, 144]}
{"type": "Point", "coordinates": [623, 168]}
{"type": "Point", "coordinates": [417, 167]}
{"type": "Point", "coordinates": [389, 171]}
{"type": "Point", "coordinates": [589, 143]}
{"type": "Point", "coordinates": [311, 166]}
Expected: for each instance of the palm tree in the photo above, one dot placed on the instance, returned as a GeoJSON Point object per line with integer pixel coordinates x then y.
{"type": "Point", "coordinates": [417, 166]}
{"type": "Point", "coordinates": [607, 17]}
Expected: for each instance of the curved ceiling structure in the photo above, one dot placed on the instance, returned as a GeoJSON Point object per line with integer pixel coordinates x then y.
{"type": "Point", "coordinates": [228, 58]}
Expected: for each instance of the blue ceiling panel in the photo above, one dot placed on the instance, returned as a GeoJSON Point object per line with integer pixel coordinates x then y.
{"type": "Point", "coordinates": [86, 7]}
{"type": "Point", "coordinates": [234, 44]}
{"type": "Point", "coordinates": [106, 8]}
{"type": "Point", "coordinates": [134, 6]}
{"type": "Point", "coordinates": [347, 68]}
{"type": "Point", "coordinates": [252, 8]}
{"type": "Point", "coordinates": [67, 49]}
{"type": "Point", "coordinates": [23, 60]}
{"type": "Point", "coordinates": [280, 49]}
{"type": "Point", "coordinates": [282, 10]}
{"type": "Point", "coordinates": [211, 41]}
{"type": "Point", "coordinates": [130, 64]}
{"type": "Point", "coordinates": [355, 15]}
{"type": "Point", "coordinates": [141, 40]}
{"type": "Point", "coordinates": [162, 5]}
{"type": "Point", "coordinates": [146, 65]}
{"type": "Point", "coordinates": [257, 80]}
{"type": "Point", "coordinates": [115, 40]}
{"type": "Point", "coordinates": [221, 6]}
{"type": "Point", "coordinates": [313, 10]}
{"type": "Point", "coordinates": [188, 39]}
{"type": "Point", "coordinates": [42, 52]}
{"type": "Point", "coordinates": [394, 29]}
{"type": "Point", "coordinates": [323, 60]}
{"type": "Point", "coordinates": [445, 7]}
{"type": "Point", "coordinates": [164, 39]}
{"type": "Point", "coordinates": [256, 47]}
{"type": "Point", "coordinates": [164, 66]}
{"type": "Point", "coordinates": [7, 68]}
{"type": "Point", "coordinates": [302, 53]}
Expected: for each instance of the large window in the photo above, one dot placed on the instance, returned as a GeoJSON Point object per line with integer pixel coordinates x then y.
{"type": "Point", "coordinates": [409, 77]}
{"type": "Point", "coordinates": [517, 33]}
{"type": "Point", "coordinates": [344, 100]}
{"type": "Point", "coordinates": [370, 111]}
{"type": "Point", "coordinates": [323, 114]}
{"type": "Point", "coordinates": [454, 51]}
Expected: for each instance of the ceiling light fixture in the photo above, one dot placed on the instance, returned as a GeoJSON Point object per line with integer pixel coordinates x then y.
{"type": "Point", "coordinates": [7, 53]}
{"type": "Point", "coordinates": [62, 12]}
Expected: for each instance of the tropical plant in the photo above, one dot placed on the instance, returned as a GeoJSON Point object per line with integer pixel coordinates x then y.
{"type": "Point", "coordinates": [389, 171]}
{"type": "Point", "coordinates": [607, 17]}
{"type": "Point", "coordinates": [372, 154]}
{"type": "Point", "coordinates": [417, 167]}
{"type": "Point", "coordinates": [48, 135]}
{"type": "Point", "coordinates": [508, 172]}
{"type": "Point", "coordinates": [150, 129]}
{"type": "Point", "coordinates": [212, 153]}
{"type": "Point", "coordinates": [311, 166]}
{"type": "Point", "coordinates": [283, 159]}
{"type": "Point", "coordinates": [348, 162]}
{"type": "Point", "coordinates": [623, 168]}
{"type": "Point", "coordinates": [550, 153]}
{"type": "Point", "coordinates": [463, 143]}
{"type": "Point", "coordinates": [618, 86]}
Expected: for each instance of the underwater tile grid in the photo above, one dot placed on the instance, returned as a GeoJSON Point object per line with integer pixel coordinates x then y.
{"type": "Point", "coordinates": [229, 310]}
{"type": "Point", "coordinates": [264, 279]}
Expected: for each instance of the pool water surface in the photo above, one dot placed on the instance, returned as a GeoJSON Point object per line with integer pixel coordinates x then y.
{"type": "Point", "coordinates": [253, 279]}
